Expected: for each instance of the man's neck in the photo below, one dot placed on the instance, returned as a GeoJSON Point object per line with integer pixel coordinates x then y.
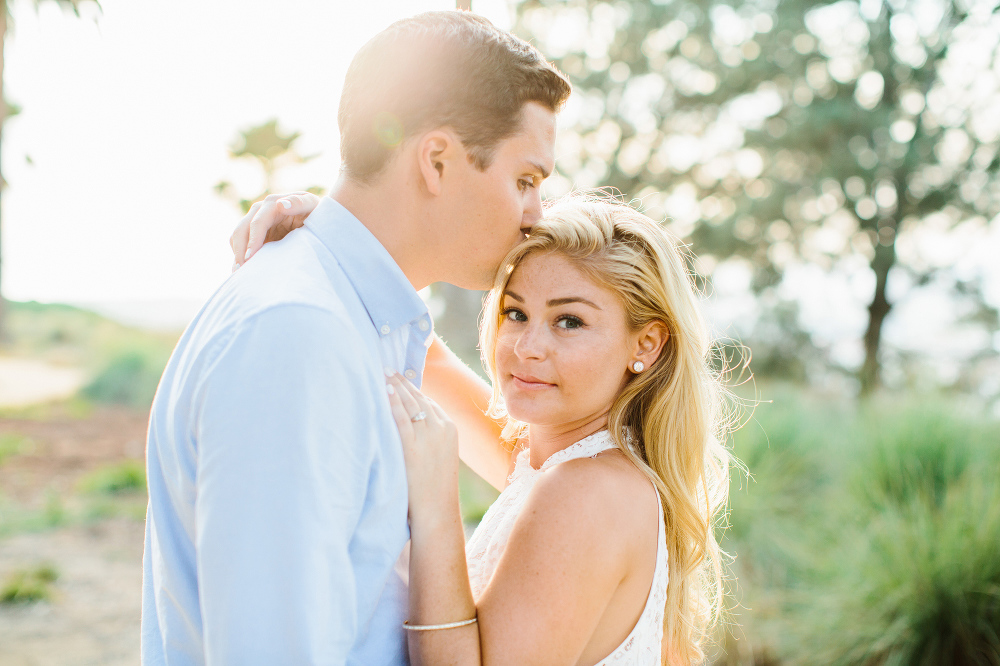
{"type": "Point", "coordinates": [389, 216]}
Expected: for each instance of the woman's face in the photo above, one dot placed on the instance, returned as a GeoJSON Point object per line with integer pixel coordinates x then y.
{"type": "Point", "coordinates": [563, 347]}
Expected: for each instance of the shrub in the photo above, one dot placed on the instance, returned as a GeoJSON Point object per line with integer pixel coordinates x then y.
{"type": "Point", "coordinates": [126, 477]}
{"type": "Point", "coordinates": [914, 454]}
{"type": "Point", "coordinates": [926, 588]}
{"type": "Point", "coordinates": [29, 585]}
{"type": "Point", "coordinates": [129, 378]}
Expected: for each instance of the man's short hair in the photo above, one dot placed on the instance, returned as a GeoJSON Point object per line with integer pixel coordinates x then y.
{"type": "Point", "coordinates": [437, 69]}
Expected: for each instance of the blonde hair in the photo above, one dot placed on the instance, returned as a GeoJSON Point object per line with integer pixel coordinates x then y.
{"type": "Point", "coordinates": [669, 420]}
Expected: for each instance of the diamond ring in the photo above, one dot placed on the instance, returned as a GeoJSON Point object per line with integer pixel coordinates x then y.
{"type": "Point", "coordinates": [419, 417]}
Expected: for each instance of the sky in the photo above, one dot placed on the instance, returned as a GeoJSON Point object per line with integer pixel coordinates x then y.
{"type": "Point", "coordinates": [126, 118]}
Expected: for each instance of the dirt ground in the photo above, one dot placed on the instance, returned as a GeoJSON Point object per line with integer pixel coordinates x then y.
{"type": "Point", "coordinates": [29, 381]}
{"type": "Point", "coordinates": [93, 615]}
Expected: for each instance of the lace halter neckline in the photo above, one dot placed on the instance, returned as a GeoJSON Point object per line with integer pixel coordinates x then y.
{"type": "Point", "coordinates": [487, 543]}
{"type": "Point", "coordinates": [587, 447]}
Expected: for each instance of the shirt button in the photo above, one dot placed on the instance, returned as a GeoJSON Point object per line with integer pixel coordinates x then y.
{"type": "Point", "coordinates": [423, 325]}
{"type": "Point", "coordinates": [410, 374]}
{"type": "Point", "coordinates": [385, 329]}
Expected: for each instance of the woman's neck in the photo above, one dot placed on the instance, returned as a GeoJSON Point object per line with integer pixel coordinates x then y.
{"type": "Point", "coordinates": [544, 440]}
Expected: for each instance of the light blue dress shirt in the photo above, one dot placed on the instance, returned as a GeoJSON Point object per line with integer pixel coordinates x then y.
{"type": "Point", "coordinates": [277, 491]}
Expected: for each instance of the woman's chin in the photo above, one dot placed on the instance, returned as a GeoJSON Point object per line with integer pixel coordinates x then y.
{"type": "Point", "coordinates": [526, 412]}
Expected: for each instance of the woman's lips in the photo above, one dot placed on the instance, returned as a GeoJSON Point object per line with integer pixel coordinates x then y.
{"type": "Point", "coordinates": [530, 383]}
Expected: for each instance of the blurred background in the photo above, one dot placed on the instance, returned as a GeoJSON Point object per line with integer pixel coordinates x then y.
{"type": "Point", "coordinates": [834, 166]}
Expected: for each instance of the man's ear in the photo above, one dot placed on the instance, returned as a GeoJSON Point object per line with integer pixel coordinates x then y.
{"type": "Point", "coordinates": [435, 150]}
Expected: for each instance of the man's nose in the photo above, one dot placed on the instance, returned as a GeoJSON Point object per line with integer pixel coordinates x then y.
{"type": "Point", "coordinates": [532, 211]}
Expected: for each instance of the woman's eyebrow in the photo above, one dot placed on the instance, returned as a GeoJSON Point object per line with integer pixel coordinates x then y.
{"type": "Point", "coordinates": [572, 299]}
{"type": "Point", "coordinates": [557, 301]}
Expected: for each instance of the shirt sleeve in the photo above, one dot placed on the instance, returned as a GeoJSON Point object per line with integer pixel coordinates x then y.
{"type": "Point", "coordinates": [283, 465]}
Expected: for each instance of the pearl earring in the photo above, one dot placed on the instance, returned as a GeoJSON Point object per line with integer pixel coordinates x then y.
{"type": "Point", "coordinates": [638, 366]}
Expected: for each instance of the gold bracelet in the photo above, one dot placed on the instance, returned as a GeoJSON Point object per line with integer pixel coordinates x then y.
{"type": "Point", "coordinates": [435, 627]}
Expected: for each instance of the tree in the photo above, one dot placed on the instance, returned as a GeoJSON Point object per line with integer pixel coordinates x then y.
{"type": "Point", "coordinates": [6, 107]}
{"type": "Point", "coordinates": [783, 131]}
{"type": "Point", "coordinates": [272, 150]}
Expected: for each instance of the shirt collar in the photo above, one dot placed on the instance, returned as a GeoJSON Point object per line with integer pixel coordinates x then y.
{"type": "Point", "coordinates": [385, 292]}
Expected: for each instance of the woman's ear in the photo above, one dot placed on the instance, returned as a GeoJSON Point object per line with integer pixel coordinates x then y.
{"type": "Point", "coordinates": [649, 342]}
{"type": "Point", "coordinates": [434, 150]}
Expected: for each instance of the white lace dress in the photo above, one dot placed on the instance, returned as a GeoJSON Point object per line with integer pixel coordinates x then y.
{"type": "Point", "coordinates": [642, 646]}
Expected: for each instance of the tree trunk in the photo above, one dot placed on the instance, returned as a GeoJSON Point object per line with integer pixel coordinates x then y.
{"type": "Point", "coordinates": [882, 263]}
{"type": "Point", "coordinates": [3, 117]}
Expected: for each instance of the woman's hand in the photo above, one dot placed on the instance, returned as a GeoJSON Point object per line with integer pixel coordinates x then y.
{"type": "Point", "coordinates": [430, 450]}
{"type": "Point", "coordinates": [269, 220]}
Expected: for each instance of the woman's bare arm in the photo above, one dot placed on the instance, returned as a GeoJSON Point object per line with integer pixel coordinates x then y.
{"type": "Point", "coordinates": [465, 396]}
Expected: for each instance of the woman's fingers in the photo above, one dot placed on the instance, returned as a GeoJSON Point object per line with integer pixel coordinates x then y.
{"type": "Point", "coordinates": [268, 220]}
{"type": "Point", "coordinates": [266, 217]}
{"type": "Point", "coordinates": [298, 203]}
{"type": "Point", "coordinates": [241, 235]}
{"type": "Point", "coordinates": [399, 415]}
{"type": "Point", "coordinates": [409, 399]}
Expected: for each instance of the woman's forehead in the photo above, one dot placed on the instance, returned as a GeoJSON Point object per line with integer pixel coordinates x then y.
{"type": "Point", "coordinates": [554, 275]}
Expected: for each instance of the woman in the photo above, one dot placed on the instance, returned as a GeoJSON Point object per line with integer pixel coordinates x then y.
{"type": "Point", "coordinates": [598, 359]}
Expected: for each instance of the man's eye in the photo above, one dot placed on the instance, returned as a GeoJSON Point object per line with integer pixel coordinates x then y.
{"type": "Point", "coordinates": [569, 322]}
{"type": "Point", "coordinates": [513, 314]}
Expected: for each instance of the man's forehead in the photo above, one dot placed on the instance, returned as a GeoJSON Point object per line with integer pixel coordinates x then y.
{"type": "Point", "coordinates": [535, 142]}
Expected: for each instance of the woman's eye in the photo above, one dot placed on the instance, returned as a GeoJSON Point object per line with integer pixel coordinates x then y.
{"type": "Point", "coordinates": [569, 322]}
{"type": "Point", "coordinates": [523, 184]}
{"type": "Point", "coordinates": [513, 314]}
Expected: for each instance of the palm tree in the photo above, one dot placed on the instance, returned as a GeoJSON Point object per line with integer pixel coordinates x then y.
{"type": "Point", "coordinates": [74, 6]}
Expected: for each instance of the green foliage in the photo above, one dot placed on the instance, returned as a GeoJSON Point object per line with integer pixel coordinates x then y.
{"type": "Point", "coordinates": [916, 453]}
{"type": "Point", "coordinates": [126, 477]}
{"type": "Point", "coordinates": [129, 378]}
{"type": "Point", "coordinates": [867, 536]}
{"type": "Point", "coordinates": [12, 444]}
{"type": "Point", "coordinates": [125, 363]}
{"type": "Point", "coordinates": [69, 335]}
{"type": "Point", "coordinates": [926, 589]}
{"type": "Point", "coordinates": [476, 495]}
{"type": "Point", "coordinates": [272, 150]}
{"type": "Point", "coordinates": [27, 585]}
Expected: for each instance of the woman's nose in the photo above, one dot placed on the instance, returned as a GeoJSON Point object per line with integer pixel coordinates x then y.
{"type": "Point", "coordinates": [530, 344]}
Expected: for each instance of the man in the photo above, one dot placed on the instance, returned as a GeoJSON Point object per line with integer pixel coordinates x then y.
{"type": "Point", "coordinates": [277, 489]}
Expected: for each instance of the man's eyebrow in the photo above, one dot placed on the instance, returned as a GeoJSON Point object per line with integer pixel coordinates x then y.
{"type": "Point", "coordinates": [540, 169]}
{"type": "Point", "coordinates": [572, 299]}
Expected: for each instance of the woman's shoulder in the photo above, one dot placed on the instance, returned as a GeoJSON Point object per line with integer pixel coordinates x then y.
{"type": "Point", "coordinates": [615, 497]}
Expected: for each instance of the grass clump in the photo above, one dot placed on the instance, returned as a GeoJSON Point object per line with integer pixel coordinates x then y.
{"type": "Point", "coordinates": [28, 585]}
{"type": "Point", "coordinates": [916, 454]}
{"type": "Point", "coordinates": [926, 588]}
{"type": "Point", "coordinates": [866, 535]}
{"type": "Point", "coordinates": [120, 479]}
{"type": "Point", "coordinates": [11, 444]}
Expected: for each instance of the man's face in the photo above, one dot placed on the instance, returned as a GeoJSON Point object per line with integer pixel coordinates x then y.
{"type": "Point", "coordinates": [491, 211]}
